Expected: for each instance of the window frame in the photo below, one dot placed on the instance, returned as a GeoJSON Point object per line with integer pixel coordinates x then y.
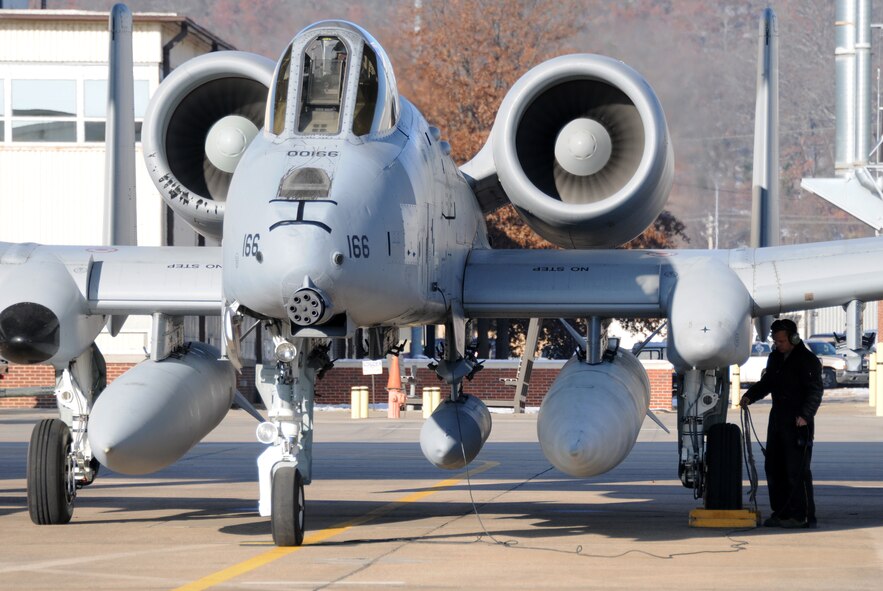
{"type": "Point", "coordinates": [79, 73]}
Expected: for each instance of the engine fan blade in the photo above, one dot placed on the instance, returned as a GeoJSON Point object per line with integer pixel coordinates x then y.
{"type": "Point", "coordinates": [191, 122]}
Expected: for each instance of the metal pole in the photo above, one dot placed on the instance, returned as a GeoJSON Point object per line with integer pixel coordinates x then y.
{"type": "Point", "coordinates": [716, 215]}
{"type": "Point", "coordinates": [863, 82]}
{"type": "Point", "coordinates": [844, 83]}
{"type": "Point", "coordinates": [593, 354]}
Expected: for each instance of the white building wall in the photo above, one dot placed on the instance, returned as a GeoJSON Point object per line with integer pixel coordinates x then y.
{"type": "Point", "coordinates": [53, 193]}
{"type": "Point", "coordinates": [56, 196]}
{"type": "Point", "coordinates": [833, 319]}
{"type": "Point", "coordinates": [85, 42]}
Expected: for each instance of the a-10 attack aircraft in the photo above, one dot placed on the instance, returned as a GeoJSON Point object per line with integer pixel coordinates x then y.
{"type": "Point", "coordinates": [338, 206]}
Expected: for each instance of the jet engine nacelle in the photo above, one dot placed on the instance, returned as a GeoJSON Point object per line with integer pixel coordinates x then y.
{"type": "Point", "coordinates": [154, 413]}
{"type": "Point", "coordinates": [581, 147]}
{"type": "Point", "coordinates": [455, 429]}
{"type": "Point", "coordinates": [44, 315]}
{"type": "Point", "coordinates": [197, 126]}
{"type": "Point", "coordinates": [592, 414]}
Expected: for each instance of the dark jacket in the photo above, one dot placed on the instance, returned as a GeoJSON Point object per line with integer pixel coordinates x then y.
{"type": "Point", "coordinates": [795, 383]}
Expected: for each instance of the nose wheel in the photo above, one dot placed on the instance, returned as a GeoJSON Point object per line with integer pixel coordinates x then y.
{"type": "Point", "coordinates": [51, 474]}
{"type": "Point", "coordinates": [287, 518]}
{"type": "Point", "coordinates": [723, 459]}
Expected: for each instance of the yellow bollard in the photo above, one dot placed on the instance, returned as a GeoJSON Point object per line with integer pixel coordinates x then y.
{"type": "Point", "coordinates": [872, 380]}
{"type": "Point", "coordinates": [355, 402]}
{"type": "Point", "coordinates": [363, 402]}
{"type": "Point", "coordinates": [878, 396]}
{"type": "Point", "coordinates": [735, 386]}
{"type": "Point", "coordinates": [427, 401]}
{"type": "Point", "coordinates": [436, 398]}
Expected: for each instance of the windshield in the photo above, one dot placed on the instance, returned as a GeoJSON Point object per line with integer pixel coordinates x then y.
{"type": "Point", "coordinates": [280, 92]}
{"type": "Point", "coordinates": [324, 74]}
{"type": "Point", "coordinates": [376, 96]}
{"type": "Point", "coordinates": [333, 79]}
{"type": "Point", "coordinates": [820, 348]}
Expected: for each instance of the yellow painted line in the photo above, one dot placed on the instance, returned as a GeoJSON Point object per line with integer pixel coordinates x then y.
{"type": "Point", "coordinates": [269, 556]}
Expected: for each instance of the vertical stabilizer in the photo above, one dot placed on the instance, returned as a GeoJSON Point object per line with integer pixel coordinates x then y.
{"type": "Point", "coordinates": [120, 224]}
{"type": "Point", "coordinates": [765, 182]}
{"type": "Point", "coordinates": [120, 214]}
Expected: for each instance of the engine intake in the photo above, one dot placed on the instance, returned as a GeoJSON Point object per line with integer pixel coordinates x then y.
{"type": "Point", "coordinates": [197, 127]}
{"type": "Point", "coordinates": [581, 147]}
{"type": "Point", "coordinates": [44, 313]}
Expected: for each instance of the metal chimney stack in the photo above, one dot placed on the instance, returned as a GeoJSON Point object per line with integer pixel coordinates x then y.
{"type": "Point", "coordinates": [852, 78]}
{"type": "Point", "coordinates": [854, 189]}
{"type": "Point", "coordinates": [863, 82]}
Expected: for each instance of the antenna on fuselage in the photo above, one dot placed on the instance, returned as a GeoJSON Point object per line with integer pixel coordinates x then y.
{"type": "Point", "coordinates": [765, 178]}
{"type": "Point", "coordinates": [120, 214]}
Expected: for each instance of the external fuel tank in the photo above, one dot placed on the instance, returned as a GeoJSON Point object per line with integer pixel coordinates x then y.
{"type": "Point", "coordinates": [154, 413]}
{"type": "Point", "coordinates": [592, 414]}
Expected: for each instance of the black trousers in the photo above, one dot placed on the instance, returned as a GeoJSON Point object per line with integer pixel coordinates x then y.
{"type": "Point", "coordinates": [788, 474]}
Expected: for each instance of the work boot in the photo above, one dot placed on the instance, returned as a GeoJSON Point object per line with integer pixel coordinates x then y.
{"type": "Point", "coordinates": [772, 521]}
{"type": "Point", "coordinates": [793, 523]}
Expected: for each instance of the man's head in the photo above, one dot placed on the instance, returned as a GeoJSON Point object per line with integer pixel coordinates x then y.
{"type": "Point", "coordinates": [785, 335]}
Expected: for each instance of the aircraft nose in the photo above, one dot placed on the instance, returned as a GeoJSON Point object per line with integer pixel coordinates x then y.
{"type": "Point", "coordinates": [29, 333]}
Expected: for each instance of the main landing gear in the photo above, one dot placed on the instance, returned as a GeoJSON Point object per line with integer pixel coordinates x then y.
{"type": "Point", "coordinates": [52, 485]}
{"type": "Point", "coordinates": [60, 460]}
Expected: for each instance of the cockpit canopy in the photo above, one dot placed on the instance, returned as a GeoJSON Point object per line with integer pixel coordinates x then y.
{"type": "Point", "coordinates": [333, 79]}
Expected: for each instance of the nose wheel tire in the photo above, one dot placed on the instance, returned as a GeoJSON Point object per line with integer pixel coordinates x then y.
{"type": "Point", "coordinates": [287, 519]}
{"type": "Point", "coordinates": [723, 458]}
{"type": "Point", "coordinates": [51, 475]}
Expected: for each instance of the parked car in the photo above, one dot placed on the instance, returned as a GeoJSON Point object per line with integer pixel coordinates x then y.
{"type": "Point", "coordinates": [856, 371]}
{"type": "Point", "coordinates": [839, 366]}
{"type": "Point", "coordinates": [655, 350]}
{"type": "Point", "coordinates": [652, 350]}
{"type": "Point", "coordinates": [752, 370]}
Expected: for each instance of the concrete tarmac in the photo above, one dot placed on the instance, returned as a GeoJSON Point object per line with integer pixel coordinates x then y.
{"type": "Point", "coordinates": [379, 516]}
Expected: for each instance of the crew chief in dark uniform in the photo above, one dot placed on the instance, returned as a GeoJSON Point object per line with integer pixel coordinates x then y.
{"type": "Point", "coordinates": [794, 378]}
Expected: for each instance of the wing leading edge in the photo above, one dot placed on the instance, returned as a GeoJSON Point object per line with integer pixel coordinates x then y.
{"type": "Point", "coordinates": [639, 283]}
{"type": "Point", "coordinates": [126, 279]}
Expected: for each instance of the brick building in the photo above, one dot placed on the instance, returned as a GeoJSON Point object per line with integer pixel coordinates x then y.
{"type": "Point", "coordinates": [31, 386]}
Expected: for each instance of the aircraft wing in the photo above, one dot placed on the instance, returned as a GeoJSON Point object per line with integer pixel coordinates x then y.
{"type": "Point", "coordinates": [640, 283]}
{"type": "Point", "coordinates": [172, 280]}
{"type": "Point", "coordinates": [122, 279]}
{"type": "Point", "coordinates": [708, 296]}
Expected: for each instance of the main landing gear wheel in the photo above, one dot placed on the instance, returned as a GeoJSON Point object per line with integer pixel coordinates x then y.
{"type": "Point", "coordinates": [287, 518]}
{"type": "Point", "coordinates": [723, 461]}
{"type": "Point", "coordinates": [51, 478]}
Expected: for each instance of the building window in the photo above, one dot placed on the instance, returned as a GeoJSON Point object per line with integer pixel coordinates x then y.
{"type": "Point", "coordinates": [95, 108]}
{"type": "Point", "coordinates": [44, 110]}
{"type": "Point", "coordinates": [2, 114]}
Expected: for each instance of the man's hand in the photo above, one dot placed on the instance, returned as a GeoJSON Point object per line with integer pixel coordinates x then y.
{"type": "Point", "coordinates": [744, 402]}
{"type": "Point", "coordinates": [801, 422]}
